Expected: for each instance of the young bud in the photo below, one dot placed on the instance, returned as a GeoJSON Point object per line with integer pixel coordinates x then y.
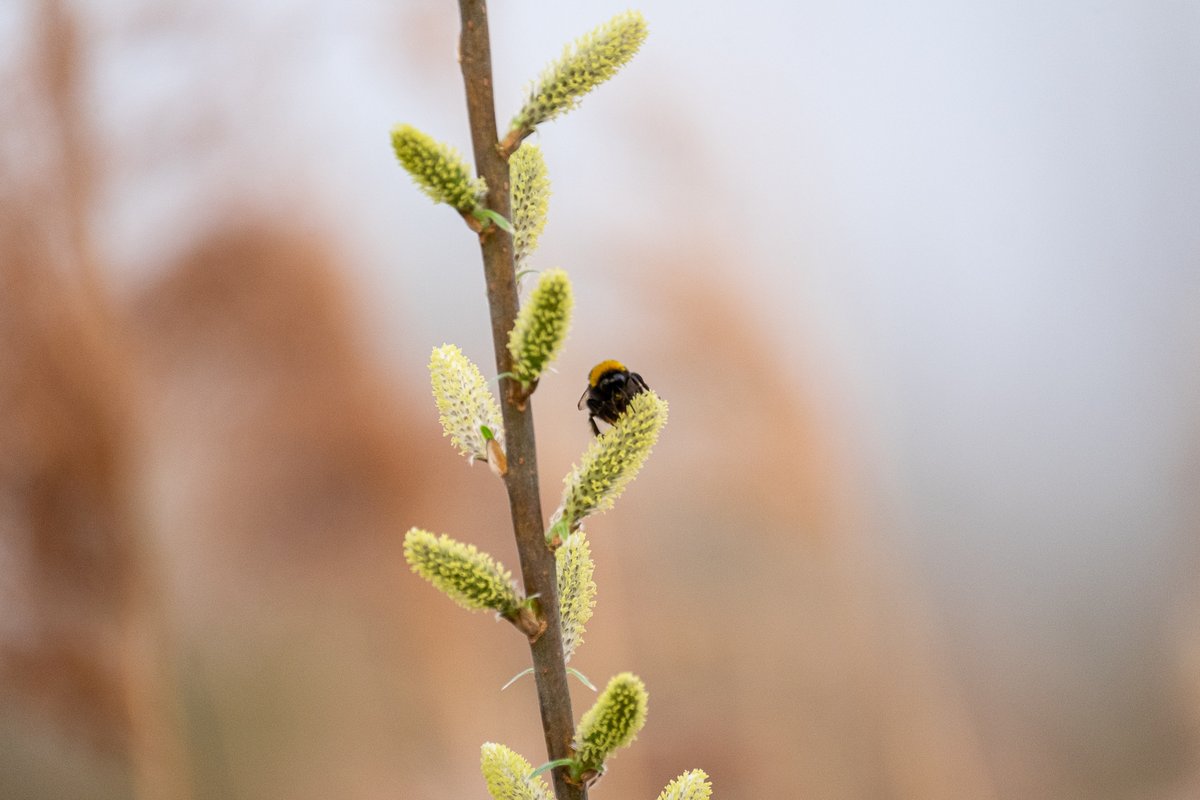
{"type": "Point", "coordinates": [584, 65]}
{"type": "Point", "coordinates": [609, 725]}
{"type": "Point", "coordinates": [507, 775]}
{"type": "Point", "coordinates": [467, 410]}
{"type": "Point", "coordinates": [691, 785]}
{"type": "Point", "coordinates": [438, 169]}
{"type": "Point", "coordinates": [541, 327]}
{"type": "Point", "coordinates": [530, 196]}
{"type": "Point", "coordinates": [611, 461]}
{"type": "Point", "coordinates": [471, 578]}
{"type": "Point", "coordinates": [576, 589]}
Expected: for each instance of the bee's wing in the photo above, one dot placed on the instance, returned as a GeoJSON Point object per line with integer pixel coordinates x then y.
{"type": "Point", "coordinates": [583, 398]}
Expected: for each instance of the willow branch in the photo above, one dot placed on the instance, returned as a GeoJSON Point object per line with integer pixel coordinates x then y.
{"type": "Point", "coordinates": [537, 561]}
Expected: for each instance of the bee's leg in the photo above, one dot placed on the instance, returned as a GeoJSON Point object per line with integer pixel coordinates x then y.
{"type": "Point", "coordinates": [592, 422]}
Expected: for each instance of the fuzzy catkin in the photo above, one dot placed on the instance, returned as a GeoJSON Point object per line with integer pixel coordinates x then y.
{"type": "Point", "coordinates": [576, 589]}
{"type": "Point", "coordinates": [541, 327]}
{"type": "Point", "coordinates": [465, 403]}
{"type": "Point", "coordinates": [590, 61]}
{"type": "Point", "coordinates": [612, 460]}
{"type": "Point", "coordinates": [438, 169]}
{"type": "Point", "coordinates": [691, 785]}
{"type": "Point", "coordinates": [507, 775]}
{"type": "Point", "coordinates": [612, 723]}
{"type": "Point", "coordinates": [470, 578]}
{"type": "Point", "coordinates": [530, 199]}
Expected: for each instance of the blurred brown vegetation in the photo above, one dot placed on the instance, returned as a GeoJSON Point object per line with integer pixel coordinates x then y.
{"type": "Point", "coordinates": [203, 495]}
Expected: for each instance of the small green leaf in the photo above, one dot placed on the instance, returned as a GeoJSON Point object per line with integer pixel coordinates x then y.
{"type": "Point", "coordinates": [582, 678]}
{"type": "Point", "coordinates": [558, 762]}
{"type": "Point", "coordinates": [557, 532]}
{"type": "Point", "coordinates": [488, 214]}
{"type": "Point", "coordinates": [517, 677]}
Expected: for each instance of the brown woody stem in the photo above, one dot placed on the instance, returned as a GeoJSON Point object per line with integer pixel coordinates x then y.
{"type": "Point", "coordinates": [537, 561]}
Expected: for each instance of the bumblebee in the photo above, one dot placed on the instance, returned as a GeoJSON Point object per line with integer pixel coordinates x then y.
{"type": "Point", "coordinates": [610, 388]}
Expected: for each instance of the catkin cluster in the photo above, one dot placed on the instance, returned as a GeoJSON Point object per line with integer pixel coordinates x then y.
{"type": "Point", "coordinates": [470, 416]}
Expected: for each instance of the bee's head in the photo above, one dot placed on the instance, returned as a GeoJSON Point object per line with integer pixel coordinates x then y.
{"type": "Point", "coordinates": [603, 367]}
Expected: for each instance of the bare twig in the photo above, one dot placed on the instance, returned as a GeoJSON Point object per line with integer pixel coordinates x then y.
{"type": "Point", "coordinates": [528, 622]}
{"type": "Point", "coordinates": [513, 140]}
{"type": "Point", "coordinates": [537, 561]}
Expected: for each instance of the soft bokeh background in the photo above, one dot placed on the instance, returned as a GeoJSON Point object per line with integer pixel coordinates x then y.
{"type": "Point", "coordinates": [919, 279]}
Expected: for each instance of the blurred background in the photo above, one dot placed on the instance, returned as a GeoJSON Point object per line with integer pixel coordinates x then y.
{"type": "Point", "coordinates": [919, 280]}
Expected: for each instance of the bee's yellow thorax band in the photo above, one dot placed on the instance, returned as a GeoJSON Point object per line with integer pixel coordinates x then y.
{"type": "Point", "coordinates": [601, 368]}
